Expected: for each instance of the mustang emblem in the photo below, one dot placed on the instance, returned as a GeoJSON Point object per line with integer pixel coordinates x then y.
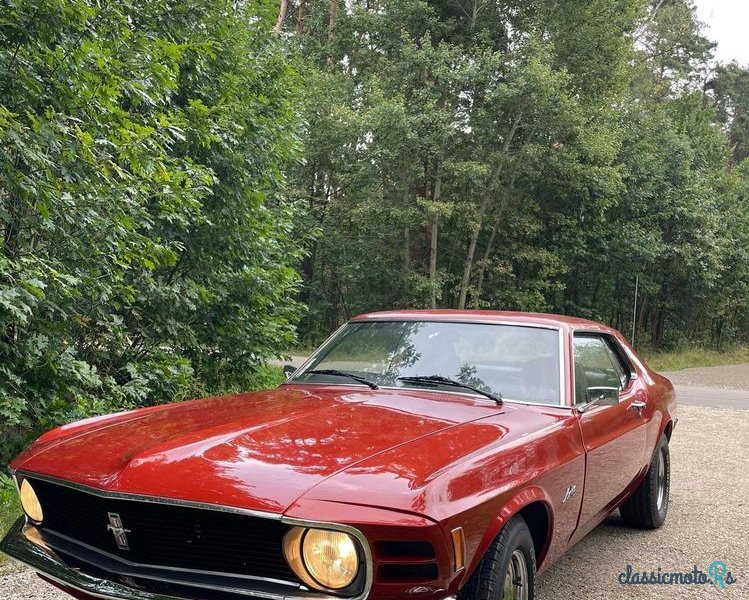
{"type": "Point", "coordinates": [120, 533]}
{"type": "Point", "coordinates": [569, 493]}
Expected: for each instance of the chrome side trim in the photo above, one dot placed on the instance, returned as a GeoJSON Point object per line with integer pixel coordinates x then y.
{"type": "Point", "coordinates": [562, 389]}
{"type": "Point", "coordinates": [447, 319]}
{"type": "Point", "coordinates": [149, 499]}
{"type": "Point", "coordinates": [16, 481]}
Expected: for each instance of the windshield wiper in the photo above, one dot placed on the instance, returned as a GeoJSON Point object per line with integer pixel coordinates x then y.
{"type": "Point", "coordinates": [439, 380]}
{"type": "Point", "coordinates": [367, 382]}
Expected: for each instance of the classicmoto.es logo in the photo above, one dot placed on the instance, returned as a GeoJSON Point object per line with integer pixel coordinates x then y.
{"type": "Point", "coordinates": [717, 575]}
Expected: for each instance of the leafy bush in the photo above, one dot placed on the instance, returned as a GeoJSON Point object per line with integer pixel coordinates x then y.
{"type": "Point", "coordinates": [146, 252]}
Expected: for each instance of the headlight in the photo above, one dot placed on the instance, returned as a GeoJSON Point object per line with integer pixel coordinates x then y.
{"type": "Point", "coordinates": [323, 559]}
{"type": "Point", "coordinates": [30, 502]}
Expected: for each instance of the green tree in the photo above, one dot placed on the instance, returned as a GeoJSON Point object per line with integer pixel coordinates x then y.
{"type": "Point", "coordinates": [521, 155]}
{"type": "Point", "coordinates": [146, 252]}
{"type": "Point", "coordinates": [731, 88]}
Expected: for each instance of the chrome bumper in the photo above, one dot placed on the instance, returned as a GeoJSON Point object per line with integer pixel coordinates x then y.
{"type": "Point", "coordinates": [26, 544]}
{"type": "Point", "coordinates": [23, 545]}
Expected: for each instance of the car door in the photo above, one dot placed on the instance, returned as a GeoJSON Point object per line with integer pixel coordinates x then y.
{"type": "Point", "coordinates": [614, 433]}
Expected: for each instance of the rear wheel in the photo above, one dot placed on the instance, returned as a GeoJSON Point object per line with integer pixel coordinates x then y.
{"type": "Point", "coordinates": [508, 569]}
{"type": "Point", "coordinates": [647, 507]}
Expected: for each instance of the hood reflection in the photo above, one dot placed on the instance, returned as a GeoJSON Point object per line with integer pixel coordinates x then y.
{"type": "Point", "coordinates": [260, 451]}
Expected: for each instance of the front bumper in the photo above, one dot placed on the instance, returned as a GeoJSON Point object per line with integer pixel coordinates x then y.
{"type": "Point", "coordinates": [22, 544]}
{"type": "Point", "coordinates": [27, 544]}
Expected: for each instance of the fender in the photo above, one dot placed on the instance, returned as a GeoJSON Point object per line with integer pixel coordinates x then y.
{"type": "Point", "coordinates": [512, 507]}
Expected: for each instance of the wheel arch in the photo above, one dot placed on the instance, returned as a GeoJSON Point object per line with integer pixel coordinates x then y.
{"type": "Point", "coordinates": [668, 429]}
{"type": "Point", "coordinates": [537, 517]}
{"type": "Point", "coordinates": [534, 506]}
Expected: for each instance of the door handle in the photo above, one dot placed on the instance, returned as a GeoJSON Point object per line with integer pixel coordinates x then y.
{"type": "Point", "coordinates": [638, 405]}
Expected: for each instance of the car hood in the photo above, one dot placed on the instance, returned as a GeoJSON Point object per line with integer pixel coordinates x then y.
{"type": "Point", "coordinates": [259, 451]}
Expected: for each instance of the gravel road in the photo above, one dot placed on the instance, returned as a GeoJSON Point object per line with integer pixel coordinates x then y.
{"type": "Point", "coordinates": [708, 520]}
{"type": "Point", "coordinates": [729, 377]}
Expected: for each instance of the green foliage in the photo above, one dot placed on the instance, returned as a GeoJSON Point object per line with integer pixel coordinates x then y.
{"type": "Point", "coordinates": [147, 251]}
{"type": "Point", "coordinates": [516, 155]}
{"type": "Point", "coordinates": [10, 505]}
{"type": "Point", "coordinates": [524, 155]}
{"type": "Point", "coordinates": [731, 87]}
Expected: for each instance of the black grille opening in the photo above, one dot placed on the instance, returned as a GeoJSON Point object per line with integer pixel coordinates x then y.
{"type": "Point", "coordinates": [396, 550]}
{"type": "Point", "coordinates": [167, 535]}
{"type": "Point", "coordinates": [407, 572]}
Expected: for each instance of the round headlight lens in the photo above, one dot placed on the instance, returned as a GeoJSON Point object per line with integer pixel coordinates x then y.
{"type": "Point", "coordinates": [321, 558]}
{"type": "Point", "coordinates": [30, 502]}
{"type": "Point", "coordinates": [330, 557]}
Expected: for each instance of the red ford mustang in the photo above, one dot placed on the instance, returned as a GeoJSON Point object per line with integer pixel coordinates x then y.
{"type": "Point", "coordinates": [416, 454]}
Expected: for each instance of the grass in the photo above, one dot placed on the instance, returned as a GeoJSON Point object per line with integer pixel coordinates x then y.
{"type": "Point", "coordinates": [10, 508]}
{"type": "Point", "coordinates": [695, 356]}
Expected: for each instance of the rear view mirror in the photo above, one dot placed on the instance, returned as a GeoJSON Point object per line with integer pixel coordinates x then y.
{"type": "Point", "coordinates": [288, 371]}
{"type": "Point", "coordinates": [600, 396]}
{"type": "Point", "coordinates": [603, 395]}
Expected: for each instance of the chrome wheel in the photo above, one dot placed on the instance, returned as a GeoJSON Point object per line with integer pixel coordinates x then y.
{"type": "Point", "coordinates": [660, 480]}
{"type": "Point", "coordinates": [517, 578]}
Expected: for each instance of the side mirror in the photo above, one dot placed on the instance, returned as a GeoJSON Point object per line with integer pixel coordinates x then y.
{"type": "Point", "coordinates": [288, 371]}
{"type": "Point", "coordinates": [600, 396]}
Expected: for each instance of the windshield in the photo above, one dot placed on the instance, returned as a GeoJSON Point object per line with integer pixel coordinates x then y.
{"type": "Point", "coordinates": [520, 363]}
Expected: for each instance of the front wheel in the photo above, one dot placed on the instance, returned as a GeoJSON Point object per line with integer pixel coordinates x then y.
{"type": "Point", "coordinates": [508, 569]}
{"type": "Point", "coordinates": [647, 507]}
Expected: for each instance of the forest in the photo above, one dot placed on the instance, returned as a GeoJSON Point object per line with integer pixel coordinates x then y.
{"type": "Point", "coordinates": [539, 156]}
{"type": "Point", "coordinates": [191, 189]}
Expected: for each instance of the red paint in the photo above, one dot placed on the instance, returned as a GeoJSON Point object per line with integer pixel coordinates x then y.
{"type": "Point", "coordinates": [397, 464]}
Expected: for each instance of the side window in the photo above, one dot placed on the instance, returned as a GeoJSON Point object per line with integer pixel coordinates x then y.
{"type": "Point", "coordinates": [596, 366]}
{"type": "Point", "coordinates": [621, 370]}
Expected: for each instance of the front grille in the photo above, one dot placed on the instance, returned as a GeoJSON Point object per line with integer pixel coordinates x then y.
{"type": "Point", "coordinates": [166, 535]}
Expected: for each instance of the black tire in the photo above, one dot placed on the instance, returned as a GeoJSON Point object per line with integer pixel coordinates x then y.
{"type": "Point", "coordinates": [647, 507]}
{"type": "Point", "coordinates": [488, 580]}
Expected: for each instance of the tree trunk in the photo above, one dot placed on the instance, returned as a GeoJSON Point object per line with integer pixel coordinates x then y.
{"type": "Point", "coordinates": [300, 16]}
{"type": "Point", "coordinates": [482, 213]}
{"type": "Point", "coordinates": [282, 15]}
{"type": "Point", "coordinates": [406, 252]}
{"type": "Point", "coordinates": [331, 29]}
{"type": "Point", "coordinates": [433, 264]}
{"type": "Point", "coordinates": [487, 253]}
{"type": "Point", "coordinates": [332, 19]}
{"type": "Point", "coordinates": [477, 7]}
{"type": "Point", "coordinates": [490, 243]}
{"type": "Point", "coordinates": [433, 240]}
